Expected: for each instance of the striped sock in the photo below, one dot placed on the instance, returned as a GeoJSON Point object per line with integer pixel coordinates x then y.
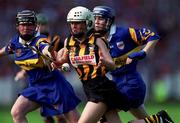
{"type": "Point", "coordinates": [153, 119]}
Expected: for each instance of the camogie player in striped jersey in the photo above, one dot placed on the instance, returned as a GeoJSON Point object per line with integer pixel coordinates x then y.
{"type": "Point", "coordinates": [90, 57]}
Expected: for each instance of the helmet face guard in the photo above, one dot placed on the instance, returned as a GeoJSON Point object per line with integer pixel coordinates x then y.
{"type": "Point", "coordinates": [81, 14]}
{"type": "Point", "coordinates": [26, 17]}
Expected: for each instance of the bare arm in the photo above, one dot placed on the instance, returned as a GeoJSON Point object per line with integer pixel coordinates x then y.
{"type": "Point", "coordinates": [2, 52]}
{"type": "Point", "coordinates": [105, 57]}
{"type": "Point", "coordinates": [61, 56]}
{"type": "Point", "coordinates": [20, 75]}
{"type": "Point", "coordinates": [150, 46]}
{"type": "Point", "coordinates": [147, 49]}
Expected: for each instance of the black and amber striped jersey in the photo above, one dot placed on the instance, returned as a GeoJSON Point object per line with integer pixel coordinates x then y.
{"type": "Point", "coordinates": [84, 56]}
{"type": "Point", "coordinates": [55, 40]}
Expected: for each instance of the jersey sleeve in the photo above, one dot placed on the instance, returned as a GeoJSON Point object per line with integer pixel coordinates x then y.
{"type": "Point", "coordinates": [41, 43]}
{"type": "Point", "coordinates": [57, 43]}
{"type": "Point", "coordinates": [10, 48]}
{"type": "Point", "coordinates": [142, 36]}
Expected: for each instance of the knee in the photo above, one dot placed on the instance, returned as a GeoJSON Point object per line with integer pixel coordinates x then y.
{"type": "Point", "coordinates": [72, 116]}
{"type": "Point", "coordinates": [84, 120]}
{"type": "Point", "coordinates": [16, 113]}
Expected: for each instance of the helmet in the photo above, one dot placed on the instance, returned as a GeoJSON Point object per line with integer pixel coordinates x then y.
{"type": "Point", "coordinates": [108, 14]}
{"type": "Point", "coordinates": [80, 14]}
{"type": "Point", "coordinates": [104, 11]}
{"type": "Point", "coordinates": [26, 16]}
{"type": "Point", "coordinates": [42, 19]}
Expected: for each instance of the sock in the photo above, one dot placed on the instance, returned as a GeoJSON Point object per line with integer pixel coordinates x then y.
{"type": "Point", "coordinates": [153, 119]}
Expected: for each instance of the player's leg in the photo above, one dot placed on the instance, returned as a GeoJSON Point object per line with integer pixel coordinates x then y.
{"type": "Point", "coordinates": [72, 116]}
{"type": "Point", "coordinates": [160, 117]}
{"type": "Point", "coordinates": [112, 116]}
{"type": "Point", "coordinates": [49, 120]}
{"type": "Point", "coordinates": [139, 112]}
{"type": "Point", "coordinates": [92, 112]}
{"type": "Point", "coordinates": [137, 121]}
{"type": "Point", "coordinates": [61, 119]}
{"type": "Point", "coordinates": [21, 107]}
{"type": "Point", "coordinates": [103, 119]}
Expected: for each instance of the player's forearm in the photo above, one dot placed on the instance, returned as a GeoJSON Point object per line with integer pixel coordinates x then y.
{"type": "Point", "coordinates": [150, 46]}
{"type": "Point", "coordinates": [62, 55]}
{"type": "Point", "coordinates": [110, 65]}
{"type": "Point", "coordinates": [2, 52]}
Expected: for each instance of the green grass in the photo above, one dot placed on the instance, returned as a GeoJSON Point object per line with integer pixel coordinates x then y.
{"type": "Point", "coordinates": [34, 117]}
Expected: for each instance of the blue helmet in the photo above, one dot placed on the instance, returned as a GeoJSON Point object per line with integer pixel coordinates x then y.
{"type": "Point", "coordinates": [105, 12]}
{"type": "Point", "coordinates": [108, 14]}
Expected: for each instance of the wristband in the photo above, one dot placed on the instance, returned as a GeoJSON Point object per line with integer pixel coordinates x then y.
{"type": "Point", "coordinates": [137, 55]}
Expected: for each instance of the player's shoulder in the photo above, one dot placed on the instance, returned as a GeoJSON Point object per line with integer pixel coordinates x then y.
{"type": "Point", "coordinates": [121, 30]}
{"type": "Point", "coordinates": [14, 38]}
{"type": "Point", "coordinates": [56, 35]}
{"type": "Point", "coordinates": [40, 37]}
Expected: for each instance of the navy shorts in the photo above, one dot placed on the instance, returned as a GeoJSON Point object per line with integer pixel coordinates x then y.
{"type": "Point", "coordinates": [132, 86]}
{"type": "Point", "coordinates": [54, 94]}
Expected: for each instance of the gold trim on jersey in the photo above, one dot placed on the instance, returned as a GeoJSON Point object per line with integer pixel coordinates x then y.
{"type": "Point", "coordinates": [144, 38]}
{"type": "Point", "coordinates": [121, 60]}
{"type": "Point", "coordinates": [30, 63]}
{"type": "Point", "coordinates": [41, 40]}
{"type": "Point", "coordinates": [134, 36]}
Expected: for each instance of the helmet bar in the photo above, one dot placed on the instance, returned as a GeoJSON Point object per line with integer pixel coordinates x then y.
{"type": "Point", "coordinates": [26, 16]}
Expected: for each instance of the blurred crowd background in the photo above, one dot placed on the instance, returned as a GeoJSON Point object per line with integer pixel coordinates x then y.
{"type": "Point", "coordinates": [161, 70]}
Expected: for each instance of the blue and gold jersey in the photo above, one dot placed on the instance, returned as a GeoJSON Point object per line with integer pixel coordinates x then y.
{"type": "Point", "coordinates": [123, 41]}
{"type": "Point", "coordinates": [25, 57]}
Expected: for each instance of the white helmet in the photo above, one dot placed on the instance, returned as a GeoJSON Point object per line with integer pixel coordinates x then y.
{"type": "Point", "coordinates": [79, 14]}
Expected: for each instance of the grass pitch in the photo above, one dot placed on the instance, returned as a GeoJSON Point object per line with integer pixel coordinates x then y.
{"type": "Point", "coordinates": [34, 117]}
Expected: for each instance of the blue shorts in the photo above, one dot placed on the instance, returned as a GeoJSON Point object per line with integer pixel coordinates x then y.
{"type": "Point", "coordinates": [54, 94]}
{"type": "Point", "coordinates": [132, 86]}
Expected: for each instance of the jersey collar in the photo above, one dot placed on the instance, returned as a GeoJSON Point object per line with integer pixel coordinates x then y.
{"type": "Point", "coordinates": [111, 32]}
